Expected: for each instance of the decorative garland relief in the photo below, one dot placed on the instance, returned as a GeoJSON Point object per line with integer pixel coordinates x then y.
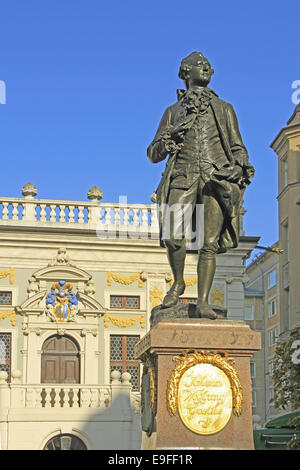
{"type": "Point", "coordinates": [124, 322]}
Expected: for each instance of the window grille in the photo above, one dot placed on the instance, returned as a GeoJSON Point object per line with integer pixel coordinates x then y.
{"type": "Point", "coordinates": [122, 357]}
{"type": "Point", "coordinates": [248, 312]}
{"type": "Point", "coordinates": [5, 353]}
{"type": "Point", "coordinates": [5, 297]}
{"type": "Point", "coordinates": [272, 279]}
{"type": "Point", "coordinates": [272, 308]}
{"type": "Point", "coordinates": [273, 335]}
{"type": "Point", "coordinates": [65, 442]}
{"type": "Point", "coordinates": [125, 301]}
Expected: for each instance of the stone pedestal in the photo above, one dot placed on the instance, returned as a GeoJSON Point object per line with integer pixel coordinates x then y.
{"type": "Point", "coordinates": [167, 339]}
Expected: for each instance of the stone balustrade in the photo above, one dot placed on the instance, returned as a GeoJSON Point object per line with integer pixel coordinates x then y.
{"type": "Point", "coordinates": [16, 395]}
{"type": "Point", "coordinates": [108, 219]}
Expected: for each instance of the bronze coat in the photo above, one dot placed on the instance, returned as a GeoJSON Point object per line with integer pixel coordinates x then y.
{"type": "Point", "coordinates": [230, 195]}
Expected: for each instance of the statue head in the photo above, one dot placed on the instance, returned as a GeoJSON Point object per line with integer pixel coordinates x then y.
{"type": "Point", "coordinates": [195, 69]}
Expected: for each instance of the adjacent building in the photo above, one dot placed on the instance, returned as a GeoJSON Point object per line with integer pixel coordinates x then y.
{"type": "Point", "coordinates": [272, 294]}
{"type": "Point", "coordinates": [262, 312]}
{"type": "Point", "coordinates": [287, 147]}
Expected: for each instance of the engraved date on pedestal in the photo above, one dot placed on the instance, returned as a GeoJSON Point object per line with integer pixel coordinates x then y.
{"type": "Point", "coordinates": [210, 338]}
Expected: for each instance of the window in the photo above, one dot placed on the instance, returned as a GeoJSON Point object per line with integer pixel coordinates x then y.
{"type": "Point", "coordinates": [248, 312]}
{"type": "Point", "coordinates": [253, 398]}
{"type": "Point", "coordinates": [252, 370]}
{"type": "Point", "coordinates": [271, 368]}
{"type": "Point", "coordinates": [272, 279]}
{"type": "Point", "coordinates": [122, 357]}
{"type": "Point", "coordinates": [284, 241]}
{"type": "Point", "coordinates": [5, 353]}
{"type": "Point", "coordinates": [285, 173]}
{"type": "Point", "coordinates": [273, 335]}
{"type": "Point", "coordinates": [272, 308]}
{"type": "Point", "coordinates": [125, 301]}
{"type": "Point", "coordinates": [5, 297]}
{"type": "Point", "coordinates": [65, 442]}
{"type": "Point", "coordinates": [187, 300]}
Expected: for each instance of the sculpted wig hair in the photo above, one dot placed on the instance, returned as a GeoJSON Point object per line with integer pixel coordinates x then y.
{"type": "Point", "coordinates": [195, 58]}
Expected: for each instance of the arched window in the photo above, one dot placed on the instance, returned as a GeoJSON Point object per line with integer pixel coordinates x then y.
{"type": "Point", "coordinates": [60, 360]}
{"type": "Point", "coordinates": [65, 442]}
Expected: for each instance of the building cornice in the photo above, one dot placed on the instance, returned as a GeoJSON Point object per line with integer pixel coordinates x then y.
{"type": "Point", "coordinates": [286, 188]}
{"type": "Point", "coordinates": [293, 130]}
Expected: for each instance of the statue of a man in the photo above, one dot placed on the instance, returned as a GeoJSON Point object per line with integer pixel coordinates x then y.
{"type": "Point", "coordinates": [208, 164]}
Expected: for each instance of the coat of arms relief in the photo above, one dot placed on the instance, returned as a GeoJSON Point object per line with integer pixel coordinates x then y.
{"type": "Point", "coordinates": [62, 302]}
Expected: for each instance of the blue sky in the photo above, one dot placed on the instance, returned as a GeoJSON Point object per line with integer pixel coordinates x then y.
{"type": "Point", "coordinates": [87, 82]}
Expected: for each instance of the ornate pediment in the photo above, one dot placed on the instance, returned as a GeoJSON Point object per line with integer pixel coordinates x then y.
{"type": "Point", "coordinates": [62, 292]}
{"type": "Point", "coordinates": [69, 273]}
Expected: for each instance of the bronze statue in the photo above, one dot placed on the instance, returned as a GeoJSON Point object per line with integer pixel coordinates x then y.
{"type": "Point", "coordinates": [208, 164]}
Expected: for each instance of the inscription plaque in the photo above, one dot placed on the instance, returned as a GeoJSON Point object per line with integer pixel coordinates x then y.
{"type": "Point", "coordinates": [204, 399]}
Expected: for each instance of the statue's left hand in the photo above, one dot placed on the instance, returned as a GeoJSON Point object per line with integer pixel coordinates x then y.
{"type": "Point", "coordinates": [229, 173]}
{"type": "Point", "coordinates": [236, 174]}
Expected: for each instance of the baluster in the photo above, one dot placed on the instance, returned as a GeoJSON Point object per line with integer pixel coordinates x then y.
{"type": "Point", "coordinates": [71, 214]}
{"type": "Point", "coordinates": [52, 213]}
{"type": "Point", "coordinates": [5, 211]}
{"type": "Point", "coordinates": [117, 217]}
{"type": "Point", "coordinates": [100, 227]}
{"type": "Point", "coordinates": [135, 220]}
{"type": "Point", "coordinates": [104, 217]}
{"type": "Point", "coordinates": [144, 220]}
{"type": "Point", "coordinates": [126, 218]}
{"type": "Point", "coordinates": [15, 211]}
{"type": "Point", "coordinates": [109, 224]}
{"type": "Point", "coordinates": [57, 398]}
{"type": "Point", "coordinates": [94, 398]}
{"type": "Point", "coordinates": [80, 214]}
{"type": "Point", "coordinates": [75, 397]}
{"type": "Point", "coordinates": [48, 397]}
{"type": "Point", "coordinates": [64, 398]}
{"type": "Point", "coordinates": [154, 220]}
{"type": "Point", "coordinates": [108, 218]}
{"type": "Point", "coordinates": [130, 227]}
{"type": "Point", "coordinates": [62, 215]}
{"type": "Point", "coordinates": [43, 213]}
{"type": "Point", "coordinates": [85, 398]}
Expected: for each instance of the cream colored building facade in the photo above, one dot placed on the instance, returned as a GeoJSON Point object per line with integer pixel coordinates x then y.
{"type": "Point", "coordinates": [68, 378]}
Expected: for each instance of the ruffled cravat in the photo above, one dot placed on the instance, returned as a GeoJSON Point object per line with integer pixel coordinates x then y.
{"type": "Point", "coordinates": [196, 101]}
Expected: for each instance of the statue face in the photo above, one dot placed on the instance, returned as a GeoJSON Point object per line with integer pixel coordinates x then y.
{"type": "Point", "coordinates": [200, 74]}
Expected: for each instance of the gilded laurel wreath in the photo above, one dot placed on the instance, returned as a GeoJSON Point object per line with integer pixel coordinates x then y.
{"type": "Point", "coordinates": [189, 359]}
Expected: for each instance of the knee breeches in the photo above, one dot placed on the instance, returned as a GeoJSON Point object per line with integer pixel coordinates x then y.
{"type": "Point", "coordinates": [194, 211]}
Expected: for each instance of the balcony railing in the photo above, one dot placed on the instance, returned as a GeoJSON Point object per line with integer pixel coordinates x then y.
{"type": "Point", "coordinates": [108, 219]}
{"type": "Point", "coordinates": [37, 396]}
